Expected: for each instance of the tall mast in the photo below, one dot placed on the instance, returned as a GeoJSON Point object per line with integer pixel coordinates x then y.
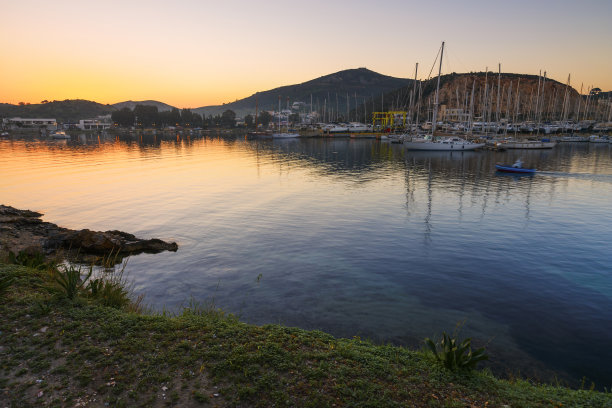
{"type": "Point", "coordinates": [535, 116]}
{"type": "Point", "coordinates": [485, 103]}
{"type": "Point", "coordinates": [348, 105]}
{"type": "Point", "coordinates": [255, 113]}
{"type": "Point", "coordinates": [279, 110]}
{"type": "Point", "coordinates": [579, 103]}
{"type": "Point", "coordinates": [311, 108]}
{"type": "Point", "coordinates": [498, 93]}
{"type": "Point", "coordinates": [325, 119]}
{"type": "Point", "coordinates": [471, 120]}
{"type": "Point", "coordinates": [435, 112]}
{"type": "Point", "coordinates": [508, 109]}
{"type": "Point", "coordinates": [413, 97]}
{"type": "Point", "coordinates": [542, 104]}
{"type": "Point", "coordinates": [565, 109]}
{"type": "Point", "coordinates": [518, 103]}
{"type": "Point", "coordinates": [418, 105]}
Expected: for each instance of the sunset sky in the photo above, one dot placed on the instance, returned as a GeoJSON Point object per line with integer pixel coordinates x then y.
{"type": "Point", "coordinates": [191, 53]}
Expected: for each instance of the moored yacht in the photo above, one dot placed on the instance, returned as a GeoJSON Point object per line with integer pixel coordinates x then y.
{"type": "Point", "coordinates": [530, 144]}
{"type": "Point", "coordinates": [59, 134]}
{"type": "Point", "coordinates": [447, 143]}
{"type": "Point", "coordinates": [597, 139]}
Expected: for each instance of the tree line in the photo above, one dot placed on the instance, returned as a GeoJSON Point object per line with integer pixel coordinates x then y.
{"type": "Point", "coordinates": [147, 116]}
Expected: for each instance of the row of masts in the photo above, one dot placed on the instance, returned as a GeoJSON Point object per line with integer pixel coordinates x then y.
{"type": "Point", "coordinates": [507, 103]}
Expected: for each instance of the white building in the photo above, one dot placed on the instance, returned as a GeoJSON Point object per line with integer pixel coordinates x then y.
{"type": "Point", "coordinates": [30, 123]}
{"type": "Point", "coordinates": [93, 124]}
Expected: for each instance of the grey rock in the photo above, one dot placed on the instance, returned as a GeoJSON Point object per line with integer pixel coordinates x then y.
{"type": "Point", "coordinates": [24, 230]}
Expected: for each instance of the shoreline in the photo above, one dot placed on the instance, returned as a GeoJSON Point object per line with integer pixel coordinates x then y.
{"type": "Point", "coordinates": [78, 352]}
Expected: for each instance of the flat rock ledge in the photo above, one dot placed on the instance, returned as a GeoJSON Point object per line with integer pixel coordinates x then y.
{"type": "Point", "coordinates": [23, 230]}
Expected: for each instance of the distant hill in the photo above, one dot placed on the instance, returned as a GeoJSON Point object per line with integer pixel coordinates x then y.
{"type": "Point", "coordinates": [330, 90]}
{"type": "Point", "coordinates": [161, 107]}
{"type": "Point", "coordinates": [69, 110]}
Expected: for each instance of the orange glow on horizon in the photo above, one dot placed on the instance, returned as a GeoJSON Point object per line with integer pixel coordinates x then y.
{"type": "Point", "coordinates": [218, 53]}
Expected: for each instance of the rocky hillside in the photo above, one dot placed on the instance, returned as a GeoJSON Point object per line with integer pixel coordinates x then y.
{"type": "Point", "coordinates": [506, 93]}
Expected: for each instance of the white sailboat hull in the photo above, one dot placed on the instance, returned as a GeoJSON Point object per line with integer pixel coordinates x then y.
{"type": "Point", "coordinates": [454, 144]}
{"type": "Point", "coordinates": [529, 145]}
{"type": "Point", "coordinates": [285, 135]}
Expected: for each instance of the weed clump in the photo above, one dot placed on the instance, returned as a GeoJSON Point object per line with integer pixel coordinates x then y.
{"type": "Point", "coordinates": [5, 283]}
{"type": "Point", "coordinates": [454, 355]}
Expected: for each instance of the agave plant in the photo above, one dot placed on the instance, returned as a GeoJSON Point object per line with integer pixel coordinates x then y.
{"type": "Point", "coordinates": [456, 356]}
{"type": "Point", "coordinates": [70, 281]}
{"type": "Point", "coordinates": [34, 260]}
{"type": "Point", "coordinates": [5, 283]}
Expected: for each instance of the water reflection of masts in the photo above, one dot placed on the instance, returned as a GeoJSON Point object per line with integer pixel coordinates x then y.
{"type": "Point", "coordinates": [461, 190]}
{"type": "Point", "coordinates": [257, 164]}
{"type": "Point", "coordinates": [528, 199]}
{"type": "Point", "coordinates": [485, 199]}
{"type": "Point", "coordinates": [427, 234]}
{"type": "Point", "coordinates": [409, 189]}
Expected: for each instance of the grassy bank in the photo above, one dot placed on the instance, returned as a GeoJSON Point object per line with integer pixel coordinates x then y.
{"type": "Point", "coordinates": [60, 352]}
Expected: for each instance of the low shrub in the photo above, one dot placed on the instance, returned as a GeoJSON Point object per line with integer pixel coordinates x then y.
{"type": "Point", "coordinates": [454, 355]}
{"type": "Point", "coordinates": [5, 283]}
{"type": "Point", "coordinates": [69, 280]}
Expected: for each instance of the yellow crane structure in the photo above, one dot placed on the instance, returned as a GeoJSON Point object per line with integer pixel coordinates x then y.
{"type": "Point", "coordinates": [389, 120]}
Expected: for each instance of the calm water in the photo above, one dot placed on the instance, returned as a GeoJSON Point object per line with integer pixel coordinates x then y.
{"type": "Point", "coordinates": [354, 237]}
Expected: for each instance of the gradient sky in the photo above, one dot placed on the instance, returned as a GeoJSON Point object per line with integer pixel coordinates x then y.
{"type": "Point", "coordinates": [192, 53]}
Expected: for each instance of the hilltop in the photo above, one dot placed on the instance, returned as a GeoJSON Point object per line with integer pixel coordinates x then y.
{"type": "Point", "coordinates": [328, 89]}
{"type": "Point", "coordinates": [161, 107]}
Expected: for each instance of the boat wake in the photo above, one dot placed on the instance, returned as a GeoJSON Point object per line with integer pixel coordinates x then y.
{"type": "Point", "coordinates": [604, 178]}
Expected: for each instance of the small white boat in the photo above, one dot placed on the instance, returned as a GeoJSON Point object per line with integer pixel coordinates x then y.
{"type": "Point", "coordinates": [59, 134]}
{"type": "Point", "coordinates": [284, 135]}
{"type": "Point", "coordinates": [337, 129]}
{"type": "Point", "coordinates": [356, 127]}
{"type": "Point", "coordinates": [529, 144]}
{"type": "Point", "coordinates": [598, 139]}
{"type": "Point", "coordinates": [447, 144]}
{"type": "Point", "coordinates": [573, 138]}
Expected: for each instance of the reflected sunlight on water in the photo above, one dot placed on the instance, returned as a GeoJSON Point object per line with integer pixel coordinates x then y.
{"type": "Point", "coordinates": [355, 237]}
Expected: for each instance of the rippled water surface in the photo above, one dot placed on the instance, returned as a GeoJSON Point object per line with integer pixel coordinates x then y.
{"type": "Point", "coordinates": [354, 237]}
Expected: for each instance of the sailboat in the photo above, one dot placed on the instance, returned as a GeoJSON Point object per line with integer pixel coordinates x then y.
{"type": "Point", "coordinates": [448, 143]}
{"type": "Point", "coordinates": [283, 135]}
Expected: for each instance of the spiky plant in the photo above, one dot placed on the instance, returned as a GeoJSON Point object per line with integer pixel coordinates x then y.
{"type": "Point", "coordinates": [455, 356]}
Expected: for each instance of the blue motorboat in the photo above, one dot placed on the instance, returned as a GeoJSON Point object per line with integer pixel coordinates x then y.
{"type": "Point", "coordinates": [517, 167]}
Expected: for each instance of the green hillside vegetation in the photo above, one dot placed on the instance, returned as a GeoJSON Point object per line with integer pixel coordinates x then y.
{"type": "Point", "coordinates": [161, 107]}
{"type": "Point", "coordinates": [69, 110]}
{"type": "Point", "coordinates": [70, 339]}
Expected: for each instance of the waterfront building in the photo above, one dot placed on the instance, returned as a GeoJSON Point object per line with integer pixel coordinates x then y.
{"type": "Point", "coordinates": [30, 123]}
{"type": "Point", "coordinates": [93, 124]}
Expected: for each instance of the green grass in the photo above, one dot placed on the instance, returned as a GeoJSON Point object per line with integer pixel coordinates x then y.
{"type": "Point", "coordinates": [85, 352]}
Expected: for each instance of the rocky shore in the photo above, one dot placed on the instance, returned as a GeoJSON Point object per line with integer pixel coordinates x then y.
{"type": "Point", "coordinates": [23, 230]}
